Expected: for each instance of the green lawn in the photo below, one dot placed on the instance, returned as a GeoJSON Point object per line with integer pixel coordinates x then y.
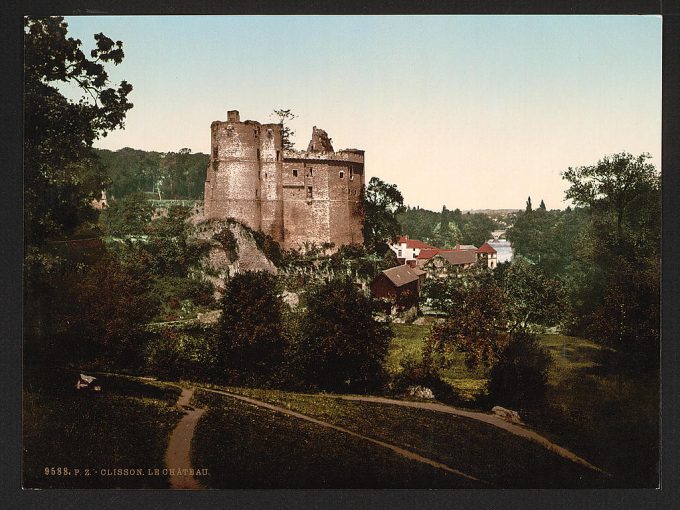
{"type": "Point", "coordinates": [408, 344]}
{"type": "Point", "coordinates": [613, 422]}
{"type": "Point", "coordinates": [476, 448]}
{"type": "Point", "coordinates": [246, 447]}
{"type": "Point", "coordinates": [126, 425]}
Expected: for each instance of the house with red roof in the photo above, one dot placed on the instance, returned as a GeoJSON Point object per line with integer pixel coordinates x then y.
{"type": "Point", "coordinates": [488, 254]}
{"type": "Point", "coordinates": [407, 250]}
{"type": "Point", "coordinates": [439, 264]}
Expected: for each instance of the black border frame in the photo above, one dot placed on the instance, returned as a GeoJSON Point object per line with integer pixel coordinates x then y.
{"type": "Point", "coordinates": [12, 249]}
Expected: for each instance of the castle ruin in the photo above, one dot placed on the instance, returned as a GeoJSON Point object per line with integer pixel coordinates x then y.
{"type": "Point", "coordinates": [296, 197]}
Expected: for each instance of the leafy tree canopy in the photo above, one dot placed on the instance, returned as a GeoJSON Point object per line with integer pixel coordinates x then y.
{"type": "Point", "coordinates": [287, 134]}
{"type": "Point", "coordinates": [341, 346]}
{"type": "Point", "coordinates": [60, 170]}
{"type": "Point", "coordinates": [615, 185]}
{"type": "Point", "coordinates": [250, 329]}
{"type": "Point", "coordinates": [382, 202]}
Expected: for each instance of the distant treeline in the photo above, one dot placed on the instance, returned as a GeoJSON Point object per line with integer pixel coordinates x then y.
{"type": "Point", "coordinates": [170, 175]}
{"type": "Point", "coordinates": [447, 228]}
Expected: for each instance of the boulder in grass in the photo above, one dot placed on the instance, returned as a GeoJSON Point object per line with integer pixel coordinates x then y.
{"type": "Point", "coordinates": [420, 392]}
{"type": "Point", "coordinates": [84, 382]}
{"type": "Point", "coordinates": [507, 414]}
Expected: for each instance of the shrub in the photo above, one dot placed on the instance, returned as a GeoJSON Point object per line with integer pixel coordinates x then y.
{"type": "Point", "coordinates": [103, 318]}
{"type": "Point", "coordinates": [174, 355]}
{"type": "Point", "coordinates": [228, 241]}
{"type": "Point", "coordinates": [420, 373]}
{"type": "Point", "coordinates": [341, 347]}
{"type": "Point", "coordinates": [251, 340]}
{"type": "Point", "coordinates": [520, 375]}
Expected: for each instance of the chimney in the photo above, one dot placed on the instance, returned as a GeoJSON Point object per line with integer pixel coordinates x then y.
{"type": "Point", "coordinates": [233, 116]}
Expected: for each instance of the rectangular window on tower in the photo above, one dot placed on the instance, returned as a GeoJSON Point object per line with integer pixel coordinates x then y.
{"type": "Point", "coordinates": [294, 173]}
{"type": "Point", "coordinates": [351, 174]}
{"type": "Point", "coordinates": [215, 152]}
{"type": "Point", "coordinates": [309, 192]}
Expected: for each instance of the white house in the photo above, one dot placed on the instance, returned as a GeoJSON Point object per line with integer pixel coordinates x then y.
{"type": "Point", "coordinates": [407, 250]}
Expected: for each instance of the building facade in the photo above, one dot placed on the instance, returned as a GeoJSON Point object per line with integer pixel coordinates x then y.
{"type": "Point", "coordinates": [297, 197]}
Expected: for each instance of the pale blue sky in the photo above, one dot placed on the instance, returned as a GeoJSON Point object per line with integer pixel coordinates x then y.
{"type": "Point", "coordinates": [466, 111]}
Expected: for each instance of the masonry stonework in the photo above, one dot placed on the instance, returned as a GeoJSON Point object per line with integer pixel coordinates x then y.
{"type": "Point", "coordinates": [296, 197]}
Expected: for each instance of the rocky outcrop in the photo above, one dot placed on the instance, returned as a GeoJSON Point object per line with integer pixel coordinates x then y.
{"type": "Point", "coordinates": [232, 249]}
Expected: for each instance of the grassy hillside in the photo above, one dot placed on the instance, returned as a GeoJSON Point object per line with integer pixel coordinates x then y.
{"type": "Point", "coordinates": [588, 410]}
{"type": "Point", "coordinates": [475, 448]}
{"type": "Point", "coordinates": [244, 446]}
{"type": "Point", "coordinates": [126, 425]}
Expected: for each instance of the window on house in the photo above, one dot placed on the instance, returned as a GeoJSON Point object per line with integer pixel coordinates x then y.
{"type": "Point", "coordinates": [258, 154]}
{"type": "Point", "coordinates": [294, 173]}
{"type": "Point", "coordinates": [309, 192]}
{"type": "Point", "coordinates": [311, 172]}
{"type": "Point", "coordinates": [278, 155]}
{"type": "Point", "coordinates": [342, 174]}
{"type": "Point", "coordinates": [399, 253]}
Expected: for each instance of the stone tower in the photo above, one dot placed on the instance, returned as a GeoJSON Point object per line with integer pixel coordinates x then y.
{"type": "Point", "coordinates": [244, 175]}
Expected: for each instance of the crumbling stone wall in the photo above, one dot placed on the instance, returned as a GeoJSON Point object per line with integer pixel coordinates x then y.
{"type": "Point", "coordinates": [320, 141]}
{"type": "Point", "coordinates": [296, 197]}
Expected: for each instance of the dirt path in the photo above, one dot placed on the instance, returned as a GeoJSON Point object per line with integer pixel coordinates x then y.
{"type": "Point", "coordinates": [486, 418]}
{"type": "Point", "coordinates": [177, 455]}
{"type": "Point", "coordinates": [398, 450]}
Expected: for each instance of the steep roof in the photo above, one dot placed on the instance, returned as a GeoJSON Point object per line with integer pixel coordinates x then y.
{"type": "Point", "coordinates": [413, 243]}
{"type": "Point", "coordinates": [459, 258]}
{"type": "Point", "coordinates": [428, 253]}
{"type": "Point", "coordinates": [486, 248]}
{"type": "Point", "coordinates": [401, 275]}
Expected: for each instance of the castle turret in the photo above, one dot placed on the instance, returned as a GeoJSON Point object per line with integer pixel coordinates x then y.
{"type": "Point", "coordinates": [232, 187]}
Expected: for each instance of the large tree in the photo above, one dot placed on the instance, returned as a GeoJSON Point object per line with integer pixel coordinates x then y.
{"type": "Point", "coordinates": [381, 202]}
{"type": "Point", "coordinates": [341, 346]}
{"type": "Point", "coordinates": [250, 330]}
{"type": "Point", "coordinates": [617, 186]}
{"type": "Point", "coordinates": [475, 323]}
{"type": "Point", "coordinates": [622, 243]}
{"type": "Point", "coordinates": [60, 168]}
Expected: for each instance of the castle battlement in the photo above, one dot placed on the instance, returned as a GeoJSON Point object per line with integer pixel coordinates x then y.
{"type": "Point", "coordinates": [296, 197]}
{"type": "Point", "coordinates": [349, 156]}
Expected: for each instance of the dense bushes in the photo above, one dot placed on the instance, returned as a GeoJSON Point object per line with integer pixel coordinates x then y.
{"type": "Point", "coordinates": [332, 343]}
{"type": "Point", "coordinates": [104, 314]}
{"type": "Point", "coordinates": [251, 340]}
{"type": "Point", "coordinates": [421, 373]}
{"type": "Point", "coordinates": [175, 355]}
{"type": "Point", "coordinates": [520, 375]}
{"type": "Point", "coordinates": [340, 346]}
